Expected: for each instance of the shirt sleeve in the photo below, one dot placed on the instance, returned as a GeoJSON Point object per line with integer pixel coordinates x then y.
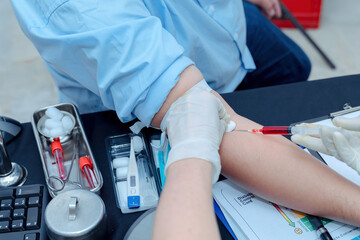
{"type": "Point", "coordinates": [115, 49]}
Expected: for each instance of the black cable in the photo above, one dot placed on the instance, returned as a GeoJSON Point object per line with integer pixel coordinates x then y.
{"type": "Point", "coordinates": [288, 15]}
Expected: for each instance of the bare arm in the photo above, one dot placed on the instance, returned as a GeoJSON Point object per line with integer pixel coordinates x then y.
{"type": "Point", "coordinates": [185, 209]}
{"type": "Point", "coordinates": [278, 170]}
{"type": "Point", "coordinates": [188, 78]}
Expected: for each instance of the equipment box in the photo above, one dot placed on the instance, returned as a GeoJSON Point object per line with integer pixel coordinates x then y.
{"type": "Point", "coordinates": [307, 12]}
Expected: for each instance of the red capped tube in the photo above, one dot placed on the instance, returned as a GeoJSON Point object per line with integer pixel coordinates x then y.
{"type": "Point", "coordinates": [58, 154]}
{"type": "Point", "coordinates": [86, 167]}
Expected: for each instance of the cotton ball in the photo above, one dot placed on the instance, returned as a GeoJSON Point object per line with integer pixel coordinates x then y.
{"type": "Point", "coordinates": [46, 131]}
{"type": "Point", "coordinates": [57, 132]}
{"type": "Point", "coordinates": [67, 123]}
{"type": "Point", "coordinates": [121, 173]}
{"type": "Point", "coordinates": [52, 123]}
{"type": "Point", "coordinates": [121, 162]}
{"type": "Point", "coordinates": [137, 143]}
{"type": "Point", "coordinates": [54, 113]}
{"type": "Point", "coordinates": [230, 126]}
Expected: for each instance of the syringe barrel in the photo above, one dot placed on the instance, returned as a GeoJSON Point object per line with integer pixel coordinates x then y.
{"type": "Point", "coordinates": [276, 130]}
{"type": "Point", "coordinates": [305, 129]}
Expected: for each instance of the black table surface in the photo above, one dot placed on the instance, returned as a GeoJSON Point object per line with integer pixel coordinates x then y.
{"type": "Point", "coordinates": [276, 105]}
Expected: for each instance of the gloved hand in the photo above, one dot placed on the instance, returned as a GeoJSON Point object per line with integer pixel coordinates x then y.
{"type": "Point", "coordinates": [342, 142]}
{"type": "Point", "coordinates": [352, 124]}
{"type": "Point", "coordinates": [195, 126]}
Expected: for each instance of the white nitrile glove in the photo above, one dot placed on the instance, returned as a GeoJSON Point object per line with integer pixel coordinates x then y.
{"type": "Point", "coordinates": [342, 142]}
{"type": "Point", "coordinates": [195, 126]}
{"type": "Point", "coordinates": [352, 124]}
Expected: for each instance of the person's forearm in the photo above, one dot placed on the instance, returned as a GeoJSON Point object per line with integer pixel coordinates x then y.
{"type": "Point", "coordinates": [278, 170]}
{"type": "Point", "coordinates": [185, 209]}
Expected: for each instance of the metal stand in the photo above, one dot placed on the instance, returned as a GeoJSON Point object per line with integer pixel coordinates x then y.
{"type": "Point", "coordinates": [11, 174]}
{"type": "Point", "coordinates": [288, 15]}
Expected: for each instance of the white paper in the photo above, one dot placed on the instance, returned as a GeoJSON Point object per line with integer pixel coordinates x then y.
{"type": "Point", "coordinates": [259, 219]}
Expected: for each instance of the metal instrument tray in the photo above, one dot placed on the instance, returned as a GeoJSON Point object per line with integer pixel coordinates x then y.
{"type": "Point", "coordinates": [74, 145]}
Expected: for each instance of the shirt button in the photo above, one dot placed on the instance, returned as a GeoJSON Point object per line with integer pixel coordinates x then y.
{"type": "Point", "coordinates": [211, 8]}
{"type": "Point", "coordinates": [236, 35]}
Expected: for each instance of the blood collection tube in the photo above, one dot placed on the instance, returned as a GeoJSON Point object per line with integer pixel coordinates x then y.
{"type": "Point", "coordinates": [57, 151]}
{"type": "Point", "coordinates": [86, 167]}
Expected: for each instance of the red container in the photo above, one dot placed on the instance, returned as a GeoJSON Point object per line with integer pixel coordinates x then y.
{"type": "Point", "coordinates": [307, 12]}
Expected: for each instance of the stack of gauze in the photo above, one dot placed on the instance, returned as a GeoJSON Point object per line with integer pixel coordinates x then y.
{"type": "Point", "coordinates": [57, 124]}
{"type": "Point", "coordinates": [121, 163]}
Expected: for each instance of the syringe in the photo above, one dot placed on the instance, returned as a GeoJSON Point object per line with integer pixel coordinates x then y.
{"type": "Point", "coordinates": [302, 129]}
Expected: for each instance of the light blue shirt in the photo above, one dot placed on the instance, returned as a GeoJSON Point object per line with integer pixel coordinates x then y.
{"type": "Point", "coordinates": [126, 55]}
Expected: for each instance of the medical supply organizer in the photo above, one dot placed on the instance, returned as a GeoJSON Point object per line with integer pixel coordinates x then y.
{"type": "Point", "coordinates": [150, 163]}
{"type": "Point", "coordinates": [74, 146]}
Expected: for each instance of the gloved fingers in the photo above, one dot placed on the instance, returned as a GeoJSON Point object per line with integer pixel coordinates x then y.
{"type": "Point", "coordinates": [310, 129]}
{"type": "Point", "coordinates": [348, 123]}
{"type": "Point", "coordinates": [196, 114]}
{"type": "Point", "coordinates": [326, 136]}
{"type": "Point", "coordinates": [224, 118]}
{"type": "Point", "coordinates": [353, 137]}
{"type": "Point", "coordinates": [195, 126]}
{"type": "Point", "coordinates": [222, 128]}
{"type": "Point", "coordinates": [223, 115]}
{"type": "Point", "coordinates": [346, 153]}
{"type": "Point", "coordinates": [310, 142]}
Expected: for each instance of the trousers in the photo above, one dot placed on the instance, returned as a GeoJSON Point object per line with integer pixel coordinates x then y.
{"type": "Point", "coordinates": [277, 58]}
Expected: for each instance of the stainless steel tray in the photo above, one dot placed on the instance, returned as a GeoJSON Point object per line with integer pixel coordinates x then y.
{"type": "Point", "coordinates": [74, 145]}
